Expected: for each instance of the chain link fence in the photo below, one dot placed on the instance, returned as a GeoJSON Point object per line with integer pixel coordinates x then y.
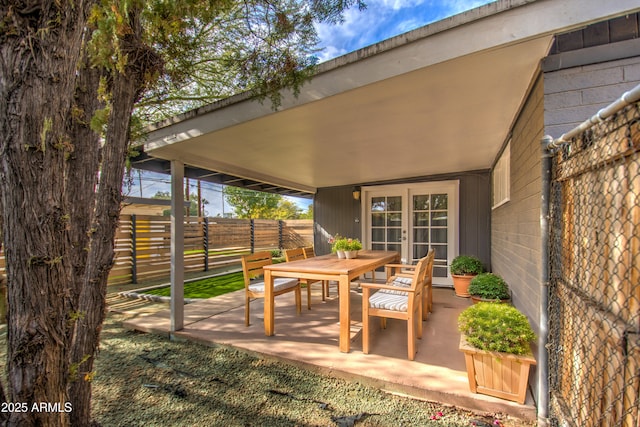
{"type": "Point", "coordinates": [594, 300]}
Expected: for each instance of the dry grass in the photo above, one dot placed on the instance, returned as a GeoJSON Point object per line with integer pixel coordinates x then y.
{"type": "Point", "coordinates": [147, 380]}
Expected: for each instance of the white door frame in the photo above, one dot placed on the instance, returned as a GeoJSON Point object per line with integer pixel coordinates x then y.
{"type": "Point", "coordinates": [450, 187]}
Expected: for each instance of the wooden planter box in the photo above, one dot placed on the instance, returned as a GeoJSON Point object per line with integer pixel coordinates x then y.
{"type": "Point", "coordinates": [497, 374]}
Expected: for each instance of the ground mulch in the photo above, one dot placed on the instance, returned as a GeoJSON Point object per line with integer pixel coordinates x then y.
{"type": "Point", "coordinates": [148, 380]}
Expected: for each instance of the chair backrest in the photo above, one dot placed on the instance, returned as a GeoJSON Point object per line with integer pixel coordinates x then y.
{"type": "Point", "coordinates": [252, 265]}
{"type": "Point", "coordinates": [309, 252]}
{"type": "Point", "coordinates": [428, 272]}
{"type": "Point", "coordinates": [294, 254]}
{"type": "Point", "coordinates": [417, 281]}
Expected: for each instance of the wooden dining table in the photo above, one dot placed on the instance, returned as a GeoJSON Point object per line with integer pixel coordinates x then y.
{"type": "Point", "coordinates": [325, 267]}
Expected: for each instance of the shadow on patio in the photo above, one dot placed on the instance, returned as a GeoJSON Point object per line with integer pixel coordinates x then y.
{"type": "Point", "coordinates": [311, 341]}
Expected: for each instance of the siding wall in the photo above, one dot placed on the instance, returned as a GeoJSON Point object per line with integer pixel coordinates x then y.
{"type": "Point", "coordinates": [335, 211]}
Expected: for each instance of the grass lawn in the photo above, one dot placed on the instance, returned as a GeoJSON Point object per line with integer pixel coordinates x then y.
{"type": "Point", "coordinates": [206, 288]}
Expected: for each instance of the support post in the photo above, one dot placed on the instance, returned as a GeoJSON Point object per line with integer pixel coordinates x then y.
{"type": "Point", "coordinates": [253, 235]}
{"type": "Point", "coordinates": [177, 246]}
{"type": "Point", "coordinates": [205, 242]}
{"type": "Point", "coordinates": [543, 337]}
{"type": "Point", "coordinates": [134, 251]}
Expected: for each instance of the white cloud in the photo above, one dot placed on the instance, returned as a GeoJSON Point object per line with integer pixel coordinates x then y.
{"type": "Point", "coordinates": [383, 19]}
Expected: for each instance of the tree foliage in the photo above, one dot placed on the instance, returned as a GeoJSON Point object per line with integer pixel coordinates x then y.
{"type": "Point", "coordinates": [71, 74]}
{"type": "Point", "coordinates": [250, 204]}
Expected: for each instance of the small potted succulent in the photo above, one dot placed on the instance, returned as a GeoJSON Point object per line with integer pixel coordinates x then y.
{"type": "Point", "coordinates": [497, 337]}
{"type": "Point", "coordinates": [489, 287]}
{"type": "Point", "coordinates": [464, 268]}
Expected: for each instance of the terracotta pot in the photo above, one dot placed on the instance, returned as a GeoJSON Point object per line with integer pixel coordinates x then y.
{"type": "Point", "coordinates": [461, 284]}
{"type": "Point", "coordinates": [502, 375]}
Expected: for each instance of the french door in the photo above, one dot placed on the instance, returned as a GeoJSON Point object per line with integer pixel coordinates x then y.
{"type": "Point", "coordinates": [411, 219]}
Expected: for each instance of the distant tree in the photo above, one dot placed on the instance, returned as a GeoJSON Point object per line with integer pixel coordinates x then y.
{"type": "Point", "coordinates": [308, 214]}
{"type": "Point", "coordinates": [250, 204]}
{"type": "Point", "coordinates": [253, 204]}
{"type": "Point", "coordinates": [287, 210]}
{"type": "Point", "coordinates": [71, 74]}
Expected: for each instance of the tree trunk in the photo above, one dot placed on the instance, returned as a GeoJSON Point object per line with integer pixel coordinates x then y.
{"type": "Point", "coordinates": [40, 49]}
{"type": "Point", "coordinates": [125, 90]}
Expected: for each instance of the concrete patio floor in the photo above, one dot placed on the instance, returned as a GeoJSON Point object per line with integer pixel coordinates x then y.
{"type": "Point", "coordinates": [310, 340]}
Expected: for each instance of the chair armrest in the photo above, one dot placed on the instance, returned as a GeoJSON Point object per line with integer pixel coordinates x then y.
{"type": "Point", "coordinates": [407, 275]}
{"type": "Point", "coordinates": [401, 265]}
{"type": "Point", "coordinates": [385, 286]}
{"type": "Point", "coordinates": [395, 269]}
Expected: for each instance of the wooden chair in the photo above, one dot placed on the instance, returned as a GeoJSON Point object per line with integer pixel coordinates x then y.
{"type": "Point", "coordinates": [397, 301]}
{"type": "Point", "coordinates": [309, 252]}
{"type": "Point", "coordinates": [404, 273]}
{"type": "Point", "coordinates": [252, 268]}
{"type": "Point", "coordinates": [297, 254]}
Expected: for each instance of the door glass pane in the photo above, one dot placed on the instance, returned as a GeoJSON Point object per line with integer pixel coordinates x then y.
{"type": "Point", "coordinates": [386, 223]}
{"type": "Point", "coordinates": [394, 204]}
{"type": "Point", "coordinates": [430, 222]}
{"type": "Point", "coordinates": [439, 235]}
{"type": "Point", "coordinates": [421, 235]}
{"type": "Point", "coordinates": [439, 202]}
{"type": "Point", "coordinates": [441, 252]}
{"type": "Point", "coordinates": [377, 219]}
{"type": "Point", "coordinates": [377, 204]}
{"type": "Point", "coordinates": [421, 203]}
{"type": "Point", "coordinates": [420, 251]}
{"type": "Point", "coordinates": [394, 219]}
{"type": "Point", "coordinates": [394, 235]}
{"type": "Point", "coordinates": [421, 219]}
{"type": "Point", "coordinates": [439, 219]}
{"type": "Point", "coordinates": [439, 271]}
{"type": "Point", "coordinates": [377, 235]}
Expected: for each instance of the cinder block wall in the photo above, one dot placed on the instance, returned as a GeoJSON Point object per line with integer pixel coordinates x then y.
{"type": "Point", "coordinates": [575, 94]}
{"type": "Point", "coordinates": [515, 226]}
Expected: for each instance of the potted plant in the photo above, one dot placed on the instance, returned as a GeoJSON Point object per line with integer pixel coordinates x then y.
{"type": "Point", "coordinates": [352, 248]}
{"type": "Point", "coordinates": [463, 268]}
{"type": "Point", "coordinates": [496, 341]}
{"type": "Point", "coordinates": [489, 287]}
{"type": "Point", "coordinates": [337, 243]}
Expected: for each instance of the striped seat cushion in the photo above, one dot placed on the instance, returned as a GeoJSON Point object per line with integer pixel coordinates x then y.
{"type": "Point", "coordinates": [401, 282]}
{"type": "Point", "coordinates": [390, 300]}
{"type": "Point", "coordinates": [279, 283]}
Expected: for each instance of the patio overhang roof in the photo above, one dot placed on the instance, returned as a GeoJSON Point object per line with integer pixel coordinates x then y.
{"type": "Point", "coordinates": [439, 99]}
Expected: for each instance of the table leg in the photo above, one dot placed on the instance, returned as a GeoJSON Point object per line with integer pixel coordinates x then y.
{"type": "Point", "coordinates": [268, 304]}
{"type": "Point", "coordinates": [344, 292]}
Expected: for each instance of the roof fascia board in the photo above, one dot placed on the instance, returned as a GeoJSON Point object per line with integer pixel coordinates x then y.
{"type": "Point", "coordinates": [488, 27]}
{"type": "Point", "coordinates": [174, 153]}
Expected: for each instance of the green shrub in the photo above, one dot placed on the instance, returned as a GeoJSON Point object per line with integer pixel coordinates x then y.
{"type": "Point", "coordinates": [496, 327]}
{"type": "Point", "coordinates": [466, 264]}
{"type": "Point", "coordinates": [489, 286]}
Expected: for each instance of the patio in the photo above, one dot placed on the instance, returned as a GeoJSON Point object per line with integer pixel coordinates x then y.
{"type": "Point", "coordinates": [311, 341]}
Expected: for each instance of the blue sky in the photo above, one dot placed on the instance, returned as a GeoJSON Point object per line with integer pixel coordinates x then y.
{"type": "Point", "coordinates": [381, 20]}
{"type": "Point", "coordinates": [384, 19]}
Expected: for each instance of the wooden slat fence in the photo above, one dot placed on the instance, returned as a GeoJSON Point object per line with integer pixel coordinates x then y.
{"type": "Point", "coordinates": [143, 244]}
{"type": "Point", "coordinates": [594, 310]}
